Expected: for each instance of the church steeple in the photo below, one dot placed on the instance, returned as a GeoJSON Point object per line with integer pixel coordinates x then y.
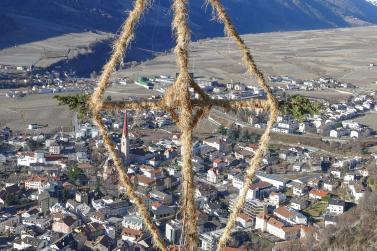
{"type": "Point", "coordinates": [124, 147]}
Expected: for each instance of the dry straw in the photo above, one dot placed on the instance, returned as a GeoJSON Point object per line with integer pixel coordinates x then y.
{"type": "Point", "coordinates": [272, 102]}
{"type": "Point", "coordinates": [96, 104]}
{"type": "Point", "coordinates": [186, 112]}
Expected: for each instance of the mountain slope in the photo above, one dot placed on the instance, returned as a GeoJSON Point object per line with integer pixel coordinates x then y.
{"type": "Point", "coordinates": [31, 20]}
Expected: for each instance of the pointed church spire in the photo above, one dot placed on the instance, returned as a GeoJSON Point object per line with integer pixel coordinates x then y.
{"type": "Point", "coordinates": [125, 125]}
{"type": "Point", "coordinates": [124, 144]}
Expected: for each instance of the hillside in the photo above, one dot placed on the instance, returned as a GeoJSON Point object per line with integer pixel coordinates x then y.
{"type": "Point", "coordinates": [26, 21]}
{"type": "Point", "coordinates": [344, 53]}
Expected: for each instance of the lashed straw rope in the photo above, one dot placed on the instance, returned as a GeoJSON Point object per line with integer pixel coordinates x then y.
{"type": "Point", "coordinates": [177, 101]}
{"type": "Point", "coordinates": [182, 85]}
{"type": "Point", "coordinates": [96, 105]}
{"type": "Point", "coordinates": [256, 160]}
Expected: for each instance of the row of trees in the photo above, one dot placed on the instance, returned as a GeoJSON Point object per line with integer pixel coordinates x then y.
{"type": "Point", "coordinates": [236, 134]}
{"type": "Point", "coordinates": [76, 175]}
{"type": "Point", "coordinates": [77, 102]}
{"type": "Point", "coordinates": [297, 106]}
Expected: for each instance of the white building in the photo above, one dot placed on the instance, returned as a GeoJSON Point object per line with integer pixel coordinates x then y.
{"type": "Point", "coordinates": [290, 216]}
{"type": "Point", "coordinates": [210, 239]}
{"type": "Point", "coordinates": [277, 228]}
{"type": "Point", "coordinates": [54, 148]}
{"type": "Point", "coordinates": [274, 180]}
{"type": "Point", "coordinates": [3, 159]}
{"type": "Point", "coordinates": [36, 182]}
{"type": "Point", "coordinates": [173, 231]}
{"type": "Point", "coordinates": [336, 207]}
{"type": "Point", "coordinates": [213, 175]}
{"type": "Point", "coordinates": [276, 198]}
{"type": "Point", "coordinates": [28, 158]}
{"type": "Point", "coordinates": [357, 191]}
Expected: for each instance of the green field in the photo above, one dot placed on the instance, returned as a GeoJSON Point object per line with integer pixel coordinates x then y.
{"type": "Point", "coordinates": [261, 243]}
{"type": "Point", "coordinates": [316, 209]}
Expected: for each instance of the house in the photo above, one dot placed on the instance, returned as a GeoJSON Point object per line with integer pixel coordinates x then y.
{"type": "Point", "coordinates": [356, 190]}
{"type": "Point", "coordinates": [317, 194]}
{"type": "Point", "coordinates": [64, 223]}
{"type": "Point", "coordinates": [163, 212]}
{"type": "Point", "coordinates": [297, 167]}
{"type": "Point", "coordinates": [237, 180]}
{"type": "Point", "coordinates": [243, 153]}
{"type": "Point", "coordinates": [66, 242]}
{"type": "Point", "coordinates": [173, 231]}
{"type": "Point", "coordinates": [329, 220]}
{"type": "Point", "coordinates": [306, 231]}
{"type": "Point", "coordinates": [161, 196]}
{"type": "Point", "coordinates": [91, 231]}
{"type": "Point", "coordinates": [42, 223]}
{"type": "Point", "coordinates": [348, 177]}
{"type": "Point", "coordinates": [55, 148]}
{"type": "Point", "coordinates": [29, 242]}
{"type": "Point", "coordinates": [277, 227]}
{"type": "Point", "coordinates": [113, 227]}
{"type": "Point", "coordinates": [299, 190]}
{"type": "Point", "coordinates": [152, 173]}
{"type": "Point", "coordinates": [36, 182]}
{"type": "Point", "coordinates": [336, 173]}
{"type": "Point", "coordinates": [290, 216]}
{"type": "Point", "coordinates": [273, 179]}
{"type": "Point", "coordinates": [276, 198]}
{"type": "Point", "coordinates": [354, 134]}
{"type": "Point", "coordinates": [218, 163]}
{"type": "Point", "coordinates": [330, 184]}
{"type": "Point", "coordinates": [214, 175]}
{"type": "Point", "coordinates": [132, 235]}
{"type": "Point", "coordinates": [244, 220]}
{"type": "Point", "coordinates": [299, 204]}
{"type": "Point", "coordinates": [133, 222]}
{"type": "Point", "coordinates": [214, 142]}
{"type": "Point", "coordinates": [315, 182]}
{"type": "Point", "coordinates": [336, 206]}
{"type": "Point", "coordinates": [102, 243]}
{"type": "Point", "coordinates": [333, 134]}
{"type": "Point", "coordinates": [207, 191]}
{"type": "Point", "coordinates": [261, 221]}
{"type": "Point", "coordinates": [251, 207]}
{"type": "Point", "coordinates": [210, 240]}
{"type": "Point", "coordinates": [258, 190]}
{"type": "Point", "coordinates": [3, 158]}
{"type": "Point", "coordinates": [133, 229]}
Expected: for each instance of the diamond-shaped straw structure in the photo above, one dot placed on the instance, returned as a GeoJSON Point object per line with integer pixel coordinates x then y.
{"type": "Point", "coordinates": [186, 112]}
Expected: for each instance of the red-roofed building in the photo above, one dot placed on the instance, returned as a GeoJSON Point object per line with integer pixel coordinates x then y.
{"type": "Point", "coordinates": [290, 215]}
{"type": "Point", "coordinates": [131, 235]}
{"type": "Point", "coordinates": [244, 220]}
{"type": "Point", "coordinates": [317, 194]}
{"type": "Point", "coordinates": [234, 249]}
{"type": "Point", "coordinates": [155, 205]}
{"type": "Point", "coordinates": [306, 231]}
{"type": "Point", "coordinates": [277, 227]}
{"type": "Point", "coordinates": [218, 163]}
{"type": "Point", "coordinates": [36, 182]}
